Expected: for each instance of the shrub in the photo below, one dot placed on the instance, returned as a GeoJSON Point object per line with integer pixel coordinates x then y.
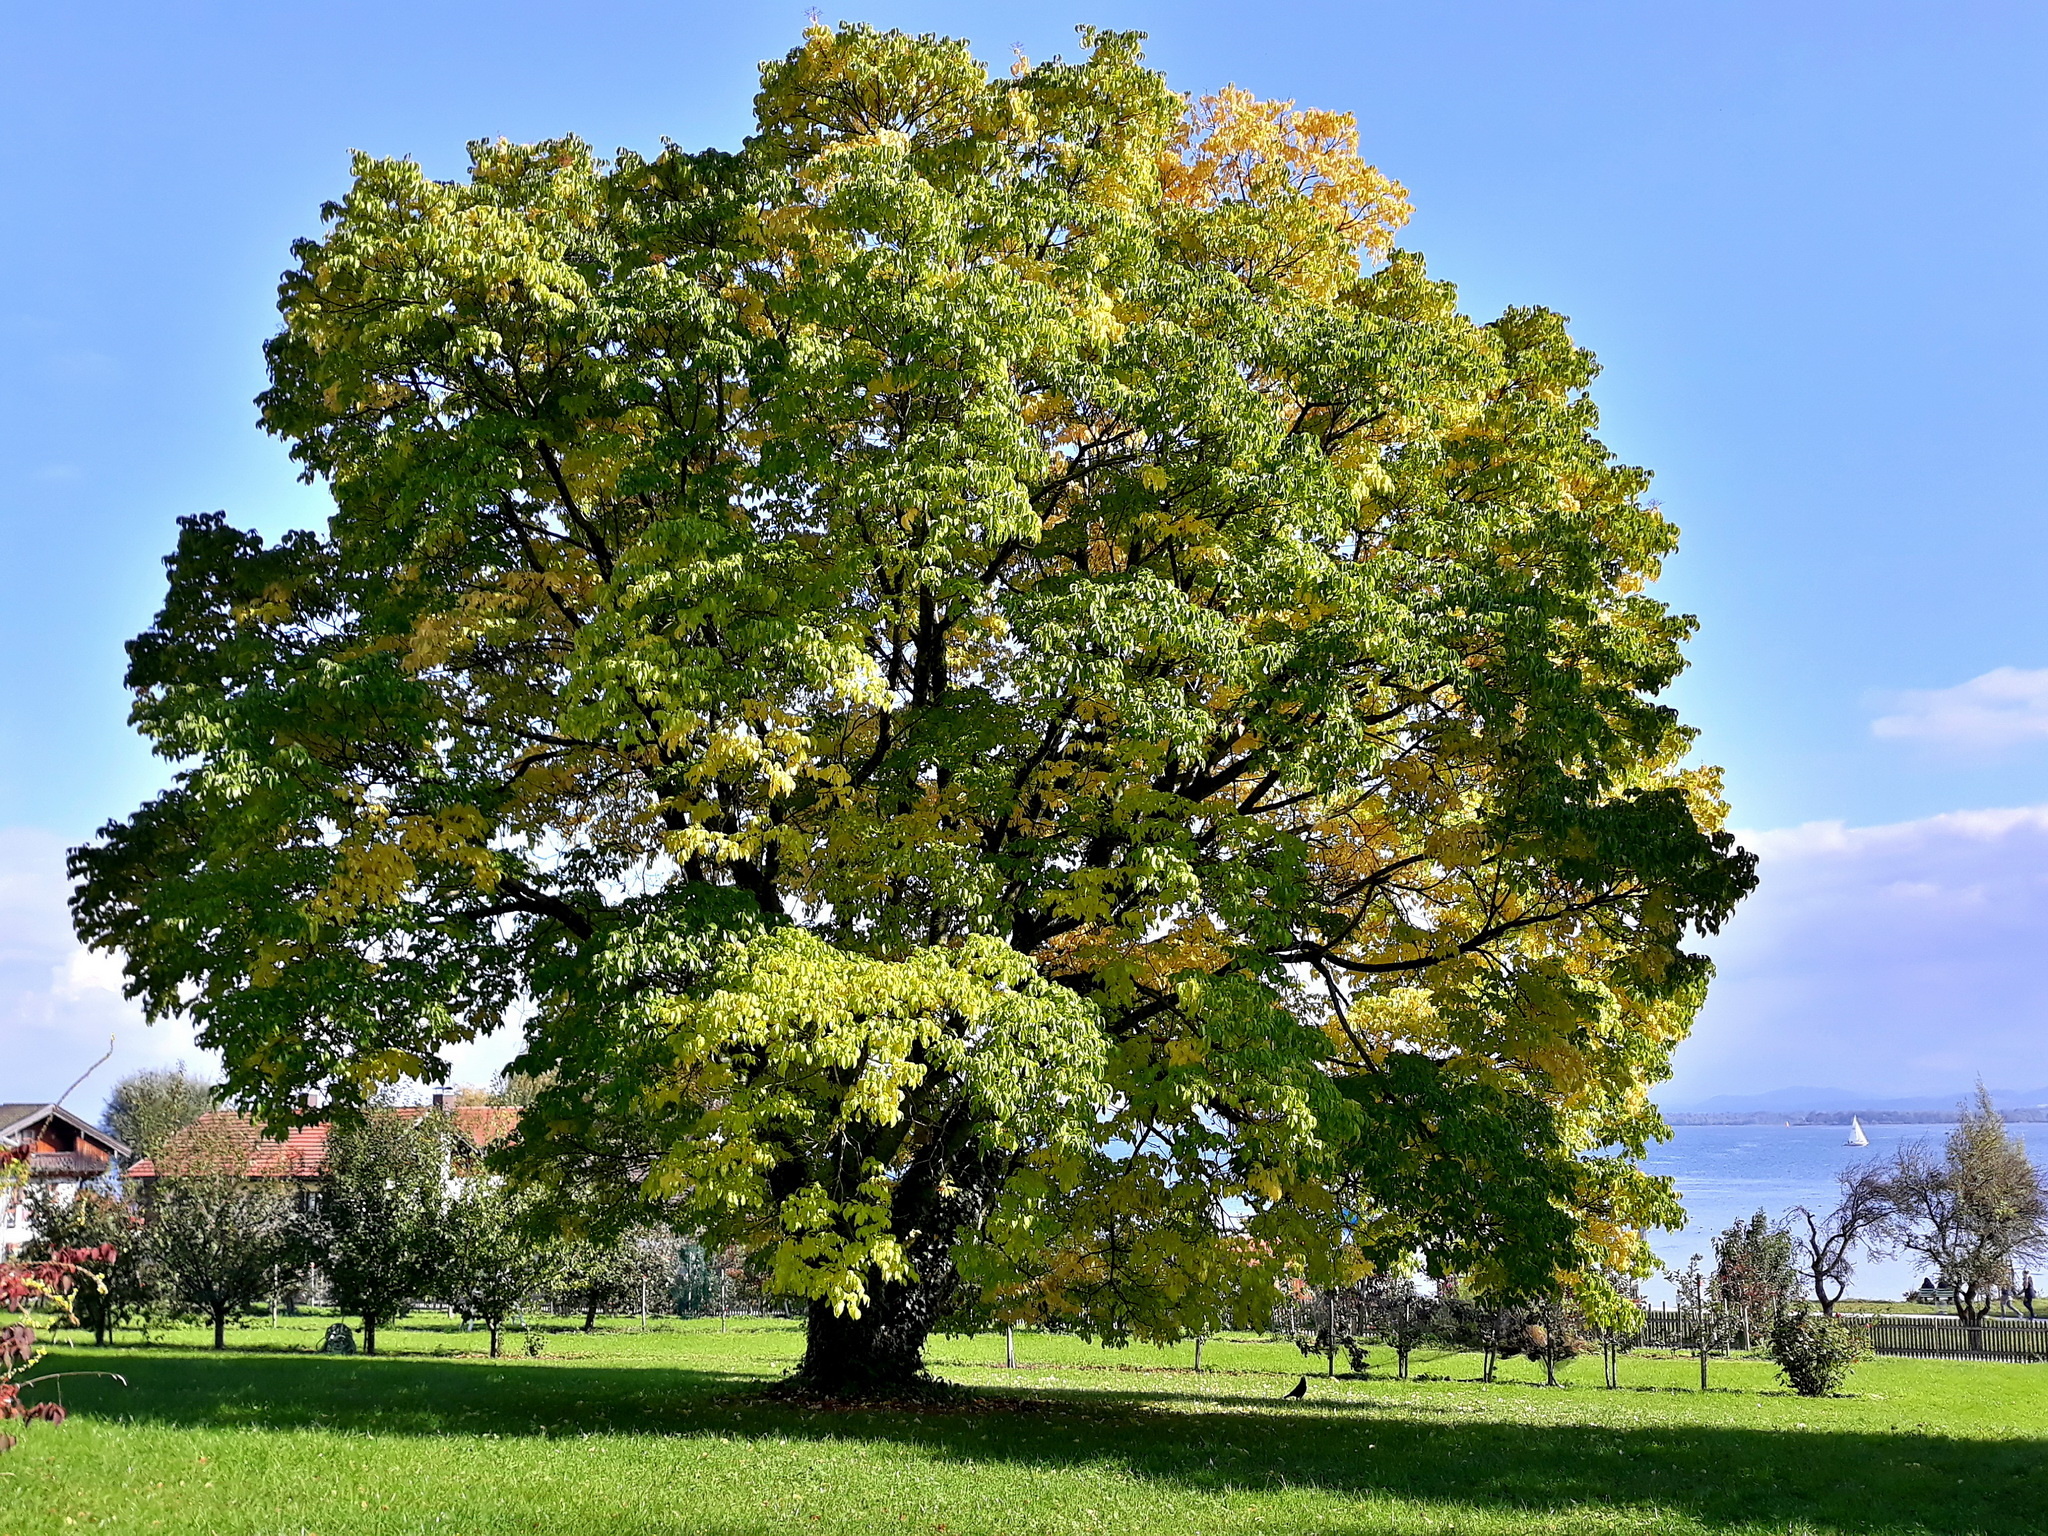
{"type": "Point", "coordinates": [1815, 1354]}
{"type": "Point", "coordinates": [49, 1284]}
{"type": "Point", "coordinates": [131, 1287]}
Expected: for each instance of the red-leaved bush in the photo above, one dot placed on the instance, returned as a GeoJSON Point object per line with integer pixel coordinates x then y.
{"type": "Point", "coordinates": [48, 1282]}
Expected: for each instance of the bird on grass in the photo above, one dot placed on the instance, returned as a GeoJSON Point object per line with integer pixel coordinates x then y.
{"type": "Point", "coordinates": [1300, 1389]}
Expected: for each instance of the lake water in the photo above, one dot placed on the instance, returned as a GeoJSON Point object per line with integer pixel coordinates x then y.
{"type": "Point", "coordinates": [1726, 1173]}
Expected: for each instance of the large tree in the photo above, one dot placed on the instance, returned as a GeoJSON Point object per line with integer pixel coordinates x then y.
{"type": "Point", "coordinates": [1972, 1211]}
{"type": "Point", "coordinates": [1025, 713]}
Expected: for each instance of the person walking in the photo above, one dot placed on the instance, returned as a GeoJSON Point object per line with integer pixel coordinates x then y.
{"type": "Point", "coordinates": [2027, 1290]}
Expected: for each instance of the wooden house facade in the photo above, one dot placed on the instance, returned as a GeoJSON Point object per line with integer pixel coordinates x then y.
{"type": "Point", "coordinates": [65, 1153]}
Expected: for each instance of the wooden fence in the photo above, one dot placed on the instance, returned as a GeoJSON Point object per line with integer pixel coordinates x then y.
{"type": "Point", "coordinates": [1898, 1333]}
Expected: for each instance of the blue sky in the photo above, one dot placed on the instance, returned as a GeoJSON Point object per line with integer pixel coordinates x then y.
{"type": "Point", "coordinates": [1804, 239]}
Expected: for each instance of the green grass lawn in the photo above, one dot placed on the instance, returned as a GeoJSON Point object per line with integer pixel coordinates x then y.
{"type": "Point", "coordinates": [621, 1432]}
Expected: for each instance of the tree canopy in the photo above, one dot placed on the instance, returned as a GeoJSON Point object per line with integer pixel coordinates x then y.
{"type": "Point", "coordinates": [147, 1108]}
{"type": "Point", "coordinates": [491, 1255]}
{"type": "Point", "coordinates": [218, 1238]}
{"type": "Point", "coordinates": [1972, 1211]}
{"type": "Point", "coordinates": [1026, 715]}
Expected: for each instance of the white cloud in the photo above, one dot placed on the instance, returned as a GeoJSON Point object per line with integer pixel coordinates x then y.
{"type": "Point", "coordinates": [1899, 960]}
{"type": "Point", "coordinates": [84, 972]}
{"type": "Point", "coordinates": [60, 1002]}
{"type": "Point", "coordinates": [2005, 708]}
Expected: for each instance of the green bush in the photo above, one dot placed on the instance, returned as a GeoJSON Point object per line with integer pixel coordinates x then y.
{"type": "Point", "coordinates": [1815, 1354]}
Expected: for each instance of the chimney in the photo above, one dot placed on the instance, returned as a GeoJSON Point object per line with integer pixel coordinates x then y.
{"type": "Point", "coordinates": [440, 1098]}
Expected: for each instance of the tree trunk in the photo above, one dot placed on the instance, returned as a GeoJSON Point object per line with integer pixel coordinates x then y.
{"type": "Point", "coordinates": [1330, 1330]}
{"type": "Point", "coordinates": [369, 1334]}
{"type": "Point", "coordinates": [1010, 1348]}
{"type": "Point", "coordinates": [1971, 1316]}
{"type": "Point", "coordinates": [495, 1325]}
{"type": "Point", "coordinates": [879, 1352]}
{"type": "Point", "coordinates": [1198, 1354]}
{"type": "Point", "coordinates": [945, 1190]}
{"type": "Point", "coordinates": [590, 1314]}
{"type": "Point", "coordinates": [220, 1327]}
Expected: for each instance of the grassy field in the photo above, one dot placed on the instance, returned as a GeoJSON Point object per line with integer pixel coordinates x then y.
{"type": "Point", "coordinates": [623, 1433]}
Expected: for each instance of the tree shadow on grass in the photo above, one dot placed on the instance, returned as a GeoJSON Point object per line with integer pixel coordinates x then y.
{"type": "Point", "coordinates": [1863, 1481]}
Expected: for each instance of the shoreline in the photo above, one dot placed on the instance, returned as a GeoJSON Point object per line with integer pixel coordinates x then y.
{"type": "Point", "coordinates": [2030, 1116]}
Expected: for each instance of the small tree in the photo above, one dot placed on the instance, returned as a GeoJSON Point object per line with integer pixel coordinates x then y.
{"type": "Point", "coordinates": [1554, 1334]}
{"type": "Point", "coordinates": [601, 1274]}
{"type": "Point", "coordinates": [1393, 1314]}
{"type": "Point", "coordinates": [48, 1283]}
{"type": "Point", "coordinates": [1754, 1275]}
{"type": "Point", "coordinates": [1816, 1354]}
{"type": "Point", "coordinates": [1324, 1322]}
{"type": "Point", "coordinates": [1705, 1322]}
{"type": "Point", "coordinates": [1476, 1325]}
{"type": "Point", "coordinates": [379, 1211]}
{"type": "Point", "coordinates": [1860, 1219]}
{"type": "Point", "coordinates": [127, 1285]}
{"type": "Point", "coordinates": [1549, 1330]}
{"type": "Point", "coordinates": [656, 1257]}
{"type": "Point", "coordinates": [146, 1109]}
{"type": "Point", "coordinates": [517, 1089]}
{"type": "Point", "coordinates": [1613, 1314]}
{"type": "Point", "coordinates": [219, 1237]}
{"type": "Point", "coordinates": [493, 1253]}
{"type": "Point", "coordinates": [1973, 1211]}
{"type": "Point", "coordinates": [729, 1285]}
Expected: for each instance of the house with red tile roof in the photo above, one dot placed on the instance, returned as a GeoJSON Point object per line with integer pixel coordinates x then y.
{"type": "Point", "coordinates": [65, 1152]}
{"type": "Point", "coordinates": [302, 1155]}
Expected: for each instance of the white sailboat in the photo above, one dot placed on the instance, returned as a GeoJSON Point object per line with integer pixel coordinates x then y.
{"type": "Point", "coordinates": [1856, 1136]}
